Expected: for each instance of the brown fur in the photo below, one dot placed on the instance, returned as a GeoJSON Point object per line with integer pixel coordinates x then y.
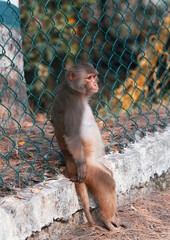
{"type": "Point", "coordinates": [81, 167]}
{"type": "Point", "coordinates": [102, 188]}
{"type": "Point", "coordinates": [87, 148]}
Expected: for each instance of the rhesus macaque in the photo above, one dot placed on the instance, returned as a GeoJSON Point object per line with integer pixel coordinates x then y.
{"type": "Point", "coordinates": [80, 141]}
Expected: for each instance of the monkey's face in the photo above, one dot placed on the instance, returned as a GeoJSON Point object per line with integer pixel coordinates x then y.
{"type": "Point", "coordinates": [91, 82]}
{"type": "Point", "coordinates": [83, 78]}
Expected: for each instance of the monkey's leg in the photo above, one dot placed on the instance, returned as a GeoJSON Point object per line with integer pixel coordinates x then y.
{"type": "Point", "coordinates": [108, 210]}
{"type": "Point", "coordinates": [102, 186]}
{"type": "Point", "coordinates": [82, 192]}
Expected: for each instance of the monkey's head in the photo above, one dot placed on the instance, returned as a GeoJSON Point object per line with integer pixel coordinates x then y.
{"type": "Point", "coordinates": [83, 78]}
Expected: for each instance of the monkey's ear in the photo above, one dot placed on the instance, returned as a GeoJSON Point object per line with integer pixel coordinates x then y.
{"type": "Point", "coordinates": [72, 76]}
{"type": "Point", "coordinates": [90, 64]}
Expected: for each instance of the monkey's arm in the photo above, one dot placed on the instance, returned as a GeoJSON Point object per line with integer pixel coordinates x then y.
{"type": "Point", "coordinates": [75, 147]}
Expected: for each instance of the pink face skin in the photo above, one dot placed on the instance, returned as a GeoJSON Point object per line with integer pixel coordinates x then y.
{"type": "Point", "coordinates": [91, 80]}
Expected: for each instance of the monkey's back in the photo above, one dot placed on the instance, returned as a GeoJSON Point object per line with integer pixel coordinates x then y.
{"type": "Point", "coordinates": [66, 113]}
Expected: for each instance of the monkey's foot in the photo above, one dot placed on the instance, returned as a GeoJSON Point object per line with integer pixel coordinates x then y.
{"type": "Point", "coordinates": [124, 225]}
{"type": "Point", "coordinates": [116, 222]}
{"type": "Point", "coordinates": [110, 225]}
{"type": "Point", "coordinates": [119, 223]}
{"type": "Point", "coordinates": [92, 224]}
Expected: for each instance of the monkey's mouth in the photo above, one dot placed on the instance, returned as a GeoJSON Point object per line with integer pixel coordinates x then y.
{"type": "Point", "coordinates": [94, 90]}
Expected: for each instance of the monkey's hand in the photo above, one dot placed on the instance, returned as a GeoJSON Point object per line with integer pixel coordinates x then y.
{"type": "Point", "coordinates": [81, 171]}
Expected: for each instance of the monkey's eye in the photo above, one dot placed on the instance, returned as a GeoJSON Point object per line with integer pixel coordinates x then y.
{"type": "Point", "coordinates": [91, 76]}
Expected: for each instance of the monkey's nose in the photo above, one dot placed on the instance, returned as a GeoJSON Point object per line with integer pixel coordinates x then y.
{"type": "Point", "coordinates": [95, 83]}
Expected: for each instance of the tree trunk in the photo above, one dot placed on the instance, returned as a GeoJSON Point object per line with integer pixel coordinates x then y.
{"type": "Point", "coordinates": [13, 97]}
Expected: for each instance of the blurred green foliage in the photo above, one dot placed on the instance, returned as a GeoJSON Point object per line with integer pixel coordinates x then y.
{"type": "Point", "coordinates": [57, 34]}
{"type": "Point", "coordinates": [49, 42]}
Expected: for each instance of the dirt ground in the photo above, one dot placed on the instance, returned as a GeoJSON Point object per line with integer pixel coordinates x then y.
{"type": "Point", "coordinates": [145, 219]}
{"type": "Point", "coordinates": [30, 154]}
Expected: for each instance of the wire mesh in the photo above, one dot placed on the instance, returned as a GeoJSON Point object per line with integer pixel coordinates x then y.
{"type": "Point", "coordinates": [127, 42]}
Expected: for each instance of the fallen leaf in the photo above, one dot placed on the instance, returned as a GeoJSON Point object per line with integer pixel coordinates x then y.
{"type": "Point", "coordinates": [45, 183]}
{"type": "Point", "coordinates": [21, 143]}
{"type": "Point", "coordinates": [100, 124]}
{"type": "Point", "coordinates": [35, 190]}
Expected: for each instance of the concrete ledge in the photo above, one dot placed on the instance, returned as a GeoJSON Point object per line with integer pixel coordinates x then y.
{"type": "Point", "coordinates": [29, 212]}
{"type": "Point", "coordinates": [139, 163]}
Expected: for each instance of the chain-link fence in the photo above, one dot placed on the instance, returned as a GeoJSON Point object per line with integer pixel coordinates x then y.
{"type": "Point", "coordinates": [126, 41]}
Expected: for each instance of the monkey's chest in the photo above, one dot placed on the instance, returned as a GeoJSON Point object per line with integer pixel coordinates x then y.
{"type": "Point", "coordinates": [90, 134]}
{"type": "Point", "coordinates": [88, 125]}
